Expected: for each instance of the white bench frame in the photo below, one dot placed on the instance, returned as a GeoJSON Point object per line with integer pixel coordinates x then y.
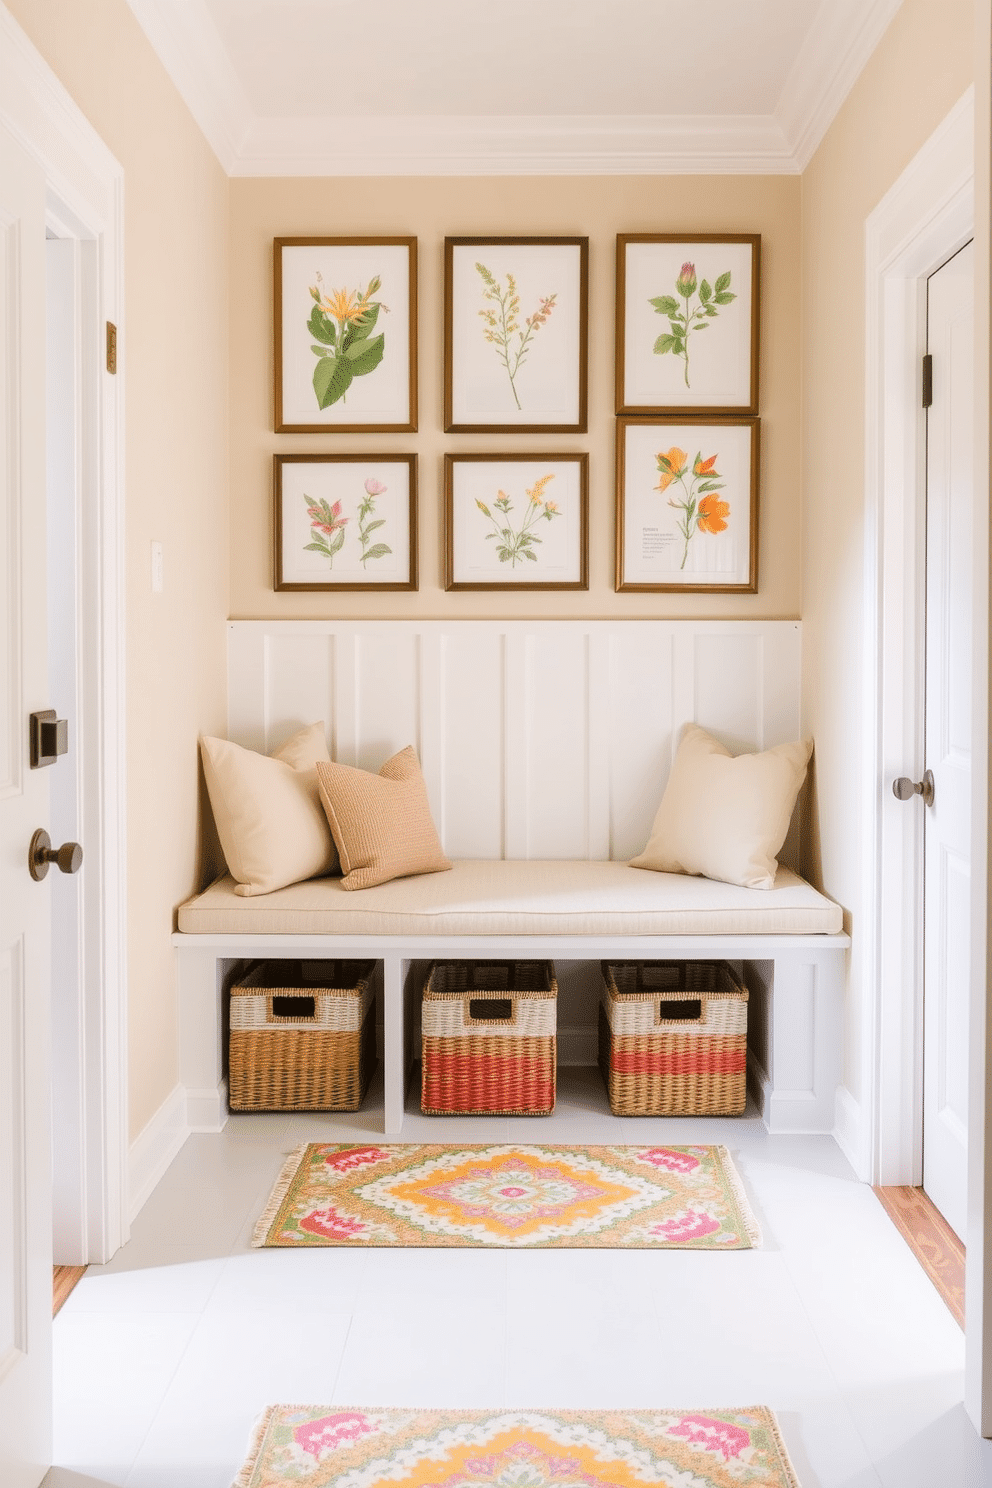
{"type": "Point", "coordinates": [796, 984]}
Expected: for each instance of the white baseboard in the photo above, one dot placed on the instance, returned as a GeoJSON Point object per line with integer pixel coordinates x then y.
{"type": "Point", "coordinates": [153, 1149]}
{"type": "Point", "coordinates": [850, 1134]}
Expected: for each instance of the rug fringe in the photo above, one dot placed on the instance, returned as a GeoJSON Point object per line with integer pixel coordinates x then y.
{"type": "Point", "coordinates": [751, 1227]}
{"type": "Point", "coordinates": [268, 1217]}
{"type": "Point", "coordinates": [776, 1431]}
{"type": "Point", "coordinates": [255, 1443]}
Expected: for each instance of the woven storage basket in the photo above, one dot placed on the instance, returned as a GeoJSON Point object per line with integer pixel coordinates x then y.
{"type": "Point", "coordinates": [302, 1036]}
{"type": "Point", "coordinates": [488, 1035]}
{"type": "Point", "coordinates": [673, 1038]}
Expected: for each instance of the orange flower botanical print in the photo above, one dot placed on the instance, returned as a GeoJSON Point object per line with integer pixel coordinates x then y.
{"type": "Point", "coordinates": [671, 464]}
{"type": "Point", "coordinates": [712, 512]}
{"type": "Point", "coordinates": [700, 510]}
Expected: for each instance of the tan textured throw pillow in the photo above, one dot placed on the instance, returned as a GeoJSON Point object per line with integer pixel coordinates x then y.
{"type": "Point", "coordinates": [724, 817]}
{"type": "Point", "coordinates": [381, 824]}
{"type": "Point", "coordinates": [268, 813]}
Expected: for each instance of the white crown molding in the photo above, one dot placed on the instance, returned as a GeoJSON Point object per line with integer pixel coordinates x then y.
{"type": "Point", "coordinates": [189, 47]}
{"type": "Point", "coordinates": [472, 145]}
{"type": "Point", "coordinates": [842, 38]}
{"type": "Point", "coordinates": [839, 43]}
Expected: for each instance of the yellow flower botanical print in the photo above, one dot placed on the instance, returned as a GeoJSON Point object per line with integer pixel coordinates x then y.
{"type": "Point", "coordinates": [514, 546]}
{"type": "Point", "coordinates": [341, 324]}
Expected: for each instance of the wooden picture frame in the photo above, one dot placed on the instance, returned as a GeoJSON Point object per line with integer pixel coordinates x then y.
{"type": "Point", "coordinates": [516, 521]}
{"type": "Point", "coordinates": [344, 510]}
{"type": "Point", "coordinates": [360, 294]}
{"type": "Point", "coordinates": [688, 324]}
{"type": "Point", "coordinates": [516, 329]}
{"type": "Point", "coordinates": [687, 505]}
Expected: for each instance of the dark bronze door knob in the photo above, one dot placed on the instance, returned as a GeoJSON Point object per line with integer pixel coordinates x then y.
{"type": "Point", "coordinates": [68, 857]}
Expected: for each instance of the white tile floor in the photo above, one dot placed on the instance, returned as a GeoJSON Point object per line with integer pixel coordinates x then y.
{"type": "Point", "coordinates": [164, 1357]}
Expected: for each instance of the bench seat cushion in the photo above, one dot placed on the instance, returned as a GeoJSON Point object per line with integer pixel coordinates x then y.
{"type": "Point", "coordinates": [520, 898]}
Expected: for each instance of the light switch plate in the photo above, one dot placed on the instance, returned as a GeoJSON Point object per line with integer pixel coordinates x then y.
{"type": "Point", "coordinates": [158, 570]}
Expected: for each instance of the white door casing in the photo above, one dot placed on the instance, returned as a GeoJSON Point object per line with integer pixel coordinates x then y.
{"type": "Point", "coordinates": [947, 822]}
{"type": "Point", "coordinates": [25, 1135]}
{"type": "Point", "coordinates": [83, 189]}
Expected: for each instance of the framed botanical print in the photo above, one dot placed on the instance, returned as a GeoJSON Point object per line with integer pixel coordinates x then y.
{"type": "Point", "coordinates": [345, 335]}
{"type": "Point", "coordinates": [687, 505]}
{"type": "Point", "coordinates": [515, 334]}
{"type": "Point", "coordinates": [345, 521]}
{"type": "Point", "coordinates": [687, 323]}
{"type": "Point", "coordinates": [516, 521]}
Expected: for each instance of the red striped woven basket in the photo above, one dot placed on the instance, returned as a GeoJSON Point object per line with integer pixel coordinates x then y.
{"type": "Point", "coordinates": [673, 1038]}
{"type": "Point", "coordinates": [488, 1036]}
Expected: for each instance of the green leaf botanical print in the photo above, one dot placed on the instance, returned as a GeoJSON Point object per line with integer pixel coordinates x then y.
{"type": "Point", "coordinates": [701, 510]}
{"type": "Point", "coordinates": [326, 528]}
{"type": "Point", "coordinates": [685, 318]}
{"type": "Point", "coordinates": [516, 546]}
{"type": "Point", "coordinates": [341, 324]}
{"type": "Point", "coordinates": [502, 324]}
{"type": "Point", "coordinates": [368, 522]}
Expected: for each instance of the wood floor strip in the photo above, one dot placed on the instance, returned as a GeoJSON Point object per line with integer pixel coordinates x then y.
{"type": "Point", "coordinates": [64, 1280]}
{"type": "Point", "coordinates": [932, 1241]}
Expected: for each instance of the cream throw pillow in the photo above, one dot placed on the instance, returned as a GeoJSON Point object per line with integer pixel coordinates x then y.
{"type": "Point", "coordinates": [381, 824]}
{"type": "Point", "coordinates": [722, 817]}
{"type": "Point", "coordinates": [267, 810]}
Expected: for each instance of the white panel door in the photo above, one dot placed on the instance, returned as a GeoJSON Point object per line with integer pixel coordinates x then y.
{"type": "Point", "coordinates": [947, 829]}
{"type": "Point", "coordinates": [25, 1150]}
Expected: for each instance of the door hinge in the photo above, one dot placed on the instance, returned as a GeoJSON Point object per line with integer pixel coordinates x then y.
{"type": "Point", "coordinates": [111, 348]}
{"type": "Point", "coordinates": [927, 380]}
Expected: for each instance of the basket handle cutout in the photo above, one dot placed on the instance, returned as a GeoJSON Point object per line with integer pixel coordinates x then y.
{"type": "Point", "coordinates": [294, 1007]}
{"type": "Point", "coordinates": [689, 1010]}
{"type": "Point", "coordinates": [491, 1009]}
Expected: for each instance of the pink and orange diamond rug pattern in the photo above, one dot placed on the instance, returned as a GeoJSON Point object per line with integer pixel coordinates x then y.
{"type": "Point", "coordinates": [319, 1446]}
{"type": "Point", "coordinates": [666, 1198]}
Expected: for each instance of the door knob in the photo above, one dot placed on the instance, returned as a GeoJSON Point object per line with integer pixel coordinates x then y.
{"type": "Point", "coordinates": [69, 856]}
{"type": "Point", "coordinates": [905, 789]}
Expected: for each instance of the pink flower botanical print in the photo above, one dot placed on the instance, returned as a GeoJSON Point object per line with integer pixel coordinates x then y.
{"type": "Point", "coordinates": [326, 528]}
{"type": "Point", "coordinates": [687, 318]}
{"type": "Point", "coordinates": [368, 522]}
{"type": "Point", "coordinates": [501, 322]}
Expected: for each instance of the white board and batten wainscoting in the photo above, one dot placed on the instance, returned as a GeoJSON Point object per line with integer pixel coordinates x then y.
{"type": "Point", "coordinates": [538, 740]}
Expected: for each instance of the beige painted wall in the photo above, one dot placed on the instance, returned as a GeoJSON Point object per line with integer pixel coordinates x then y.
{"type": "Point", "coordinates": [882, 125]}
{"type": "Point", "coordinates": [599, 207]}
{"type": "Point", "coordinates": [175, 359]}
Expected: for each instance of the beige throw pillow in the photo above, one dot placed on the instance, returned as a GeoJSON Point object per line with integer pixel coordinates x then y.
{"type": "Point", "coordinates": [724, 817]}
{"type": "Point", "coordinates": [268, 813]}
{"type": "Point", "coordinates": [381, 824]}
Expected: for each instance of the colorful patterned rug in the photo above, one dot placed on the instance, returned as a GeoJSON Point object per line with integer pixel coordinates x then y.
{"type": "Point", "coordinates": [669, 1198]}
{"type": "Point", "coordinates": [316, 1446]}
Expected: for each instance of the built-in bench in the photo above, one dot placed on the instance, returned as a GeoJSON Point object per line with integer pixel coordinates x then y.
{"type": "Point", "coordinates": [788, 939]}
{"type": "Point", "coordinates": [545, 747]}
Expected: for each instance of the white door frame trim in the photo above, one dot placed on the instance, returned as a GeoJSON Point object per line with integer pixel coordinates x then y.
{"type": "Point", "coordinates": [85, 197]}
{"type": "Point", "coordinates": [926, 216]}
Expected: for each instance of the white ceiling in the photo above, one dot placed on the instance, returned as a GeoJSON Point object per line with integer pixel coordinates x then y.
{"type": "Point", "coordinates": [346, 87]}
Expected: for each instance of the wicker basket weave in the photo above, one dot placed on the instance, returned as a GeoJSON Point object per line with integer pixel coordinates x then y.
{"type": "Point", "coordinates": [673, 1038]}
{"type": "Point", "coordinates": [488, 1036]}
{"type": "Point", "coordinates": [302, 1036]}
